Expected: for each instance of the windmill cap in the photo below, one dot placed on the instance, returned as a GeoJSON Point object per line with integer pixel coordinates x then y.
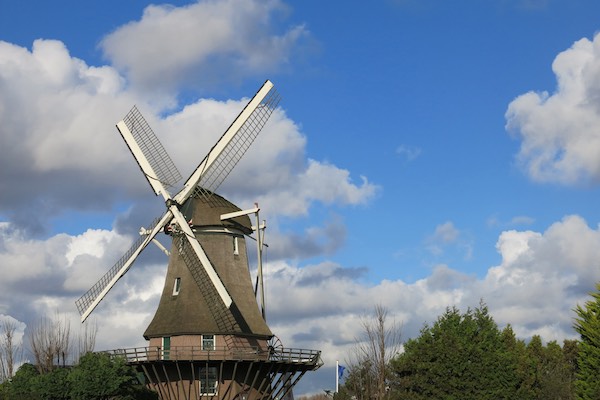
{"type": "Point", "coordinates": [205, 209]}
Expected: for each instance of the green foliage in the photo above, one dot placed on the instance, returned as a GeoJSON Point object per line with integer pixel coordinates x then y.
{"type": "Point", "coordinates": [53, 385]}
{"type": "Point", "coordinates": [466, 356]}
{"type": "Point", "coordinates": [359, 382]}
{"type": "Point", "coordinates": [462, 356]}
{"type": "Point", "coordinates": [24, 384]}
{"type": "Point", "coordinates": [97, 377]}
{"type": "Point", "coordinates": [587, 324]}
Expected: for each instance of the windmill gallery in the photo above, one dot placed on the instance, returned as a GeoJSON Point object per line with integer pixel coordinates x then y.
{"type": "Point", "coordinates": [209, 338]}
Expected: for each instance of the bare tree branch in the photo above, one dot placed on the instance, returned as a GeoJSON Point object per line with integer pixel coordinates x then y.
{"type": "Point", "coordinates": [87, 337]}
{"type": "Point", "coordinates": [50, 343]}
{"type": "Point", "coordinates": [369, 361]}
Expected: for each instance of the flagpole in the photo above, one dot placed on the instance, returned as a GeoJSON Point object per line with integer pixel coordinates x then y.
{"type": "Point", "coordinates": [337, 375]}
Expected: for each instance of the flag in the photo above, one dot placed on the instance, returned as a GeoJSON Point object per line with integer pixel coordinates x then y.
{"type": "Point", "coordinates": [341, 370]}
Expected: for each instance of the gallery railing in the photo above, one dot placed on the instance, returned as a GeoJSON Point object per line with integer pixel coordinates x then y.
{"type": "Point", "coordinates": [196, 353]}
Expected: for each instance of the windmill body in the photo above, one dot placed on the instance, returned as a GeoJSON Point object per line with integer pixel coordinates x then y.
{"type": "Point", "coordinates": [208, 338]}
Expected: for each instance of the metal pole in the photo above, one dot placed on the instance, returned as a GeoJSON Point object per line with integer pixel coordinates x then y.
{"type": "Point", "coordinates": [337, 375]}
{"type": "Point", "coordinates": [259, 247]}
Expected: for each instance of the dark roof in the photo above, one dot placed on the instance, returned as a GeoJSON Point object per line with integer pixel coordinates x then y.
{"type": "Point", "coordinates": [205, 209]}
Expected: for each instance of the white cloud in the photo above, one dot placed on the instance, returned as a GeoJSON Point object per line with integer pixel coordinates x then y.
{"type": "Point", "coordinates": [447, 236]}
{"type": "Point", "coordinates": [560, 132]}
{"type": "Point", "coordinates": [57, 115]}
{"type": "Point", "coordinates": [408, 153]}
{"type": "Point", "coordinates": [541, 277]}
{"type": "Point", "coordinates": [446, 233]}
{"type": "Point", "coordinates": [66, 154]}
{"type": "Point", "coordinates": [519, 220]}
{"type": "Point", "coordinates": [19, 330]}
{"type": "Point", "coordinates": [196, 44]}
{"type": "Point", "coordinates": [93, 242]}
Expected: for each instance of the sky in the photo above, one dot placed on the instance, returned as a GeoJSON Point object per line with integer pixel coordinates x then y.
{"type": "Point", "coordinates": [425, 154]}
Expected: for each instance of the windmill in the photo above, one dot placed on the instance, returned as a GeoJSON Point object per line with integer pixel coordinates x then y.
{"type": "Point", "coordinates": [208, 338]}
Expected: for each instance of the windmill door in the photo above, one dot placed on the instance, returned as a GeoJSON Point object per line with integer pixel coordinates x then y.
{"type": "Point", "coordinates": [166, 348]}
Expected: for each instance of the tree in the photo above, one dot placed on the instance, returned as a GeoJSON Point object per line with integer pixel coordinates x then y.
{"type": "Point", "coordinates": [10, 351]}
{"type": "Point", "coordinates": [23, 384]}
{"type": "Point", "coordinates": [99, 376]}
{"type": "Point", "coordinates": [587, 324]}
{"type": "Point", "coordinates": [466, 356]}
{"type": "Point", "coordinates": [50, 343]}
{"type": "Point", "coordinates": [53, 385]}
{"type": "Point", "coordinates": [555, 373]}
{"type": "Point", "coordinates": [462, 356]}
{"type": "Point", "coordinates": [369, 364]}
{"type": "Point", "coordinates": [87, 337]}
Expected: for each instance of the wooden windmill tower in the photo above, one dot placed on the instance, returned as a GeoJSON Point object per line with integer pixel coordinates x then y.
{"type": "Point", "coordinates": [208, 338]}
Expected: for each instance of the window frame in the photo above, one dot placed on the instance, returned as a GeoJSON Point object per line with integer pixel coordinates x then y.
{"type": "Point", "coordinates": [206, 377]}
{"type": "Point", "coordinates": [236, 246]}
{"type": "Point", "coordinates": [208, 337]}
{"type": "Point", "coordinates": [166, 348]}
{"type": "Point", "coordinates": [177, 286]}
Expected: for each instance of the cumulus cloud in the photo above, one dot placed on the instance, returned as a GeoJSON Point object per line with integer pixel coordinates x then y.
{"type": "Point", "coordinates": [541, 277]}
{"type": "Point", "coordinates": [66, 158]}
{"type": "Point", "coordinates": [274, 172]}
{"type": "Point", "coordinates": [197, 44]}
{"type": "Point", "coordinates": [59, 148]}
{"type": "Point", "coordinates": [560, 131]}
{"type": "Point", "coordinates": [551, 270]}
{"type": "Point", "coordinates": [314, 241]}
{"type": "Point", "coordinates": [66, 154]}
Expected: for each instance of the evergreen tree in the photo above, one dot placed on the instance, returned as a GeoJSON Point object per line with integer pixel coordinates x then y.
{"type": "Point", "coordinates": [555, 374]}
{"type": "Point", "coordinates": [462, 356]}
{"type": "Point", "coordinates": [587, 324]}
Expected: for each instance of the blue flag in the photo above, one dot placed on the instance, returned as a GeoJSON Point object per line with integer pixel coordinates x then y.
{"type": "Point", "coordinates": [341, 370]}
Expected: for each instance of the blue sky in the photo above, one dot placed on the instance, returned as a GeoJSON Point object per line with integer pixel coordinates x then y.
{"type": "Point", "coordinates": [425, 154]}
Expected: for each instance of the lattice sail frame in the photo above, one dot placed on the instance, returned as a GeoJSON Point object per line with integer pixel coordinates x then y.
{"type": "Point", "coordinates": [214, 175]}
{"type": "Point", "coordinates": [116, 272]}
{"type": "Point", "coordinates": [165, 169]}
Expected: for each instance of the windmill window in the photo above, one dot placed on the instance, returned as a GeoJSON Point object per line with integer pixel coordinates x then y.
{"type": "Point", "coordinates": [236, 248]}
{"type": "Point", "coordinates": [208, 381]}
{"type": "Point", "coordinates": [208, 342]}
{"type": "Point", "coordinates": [166, 350]}
{"type": "Point", "coordinates": [176, 286]}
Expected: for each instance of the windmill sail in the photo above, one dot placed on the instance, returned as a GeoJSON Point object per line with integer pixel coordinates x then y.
{"type": "Point", "coordinates": [226, 153]}
{"type": "Point", "coordinates": [86, 303]}
{"type": "Point", "coordinates": [155, 163]}
{"type": "Point", "coordinates": [233, 151]}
